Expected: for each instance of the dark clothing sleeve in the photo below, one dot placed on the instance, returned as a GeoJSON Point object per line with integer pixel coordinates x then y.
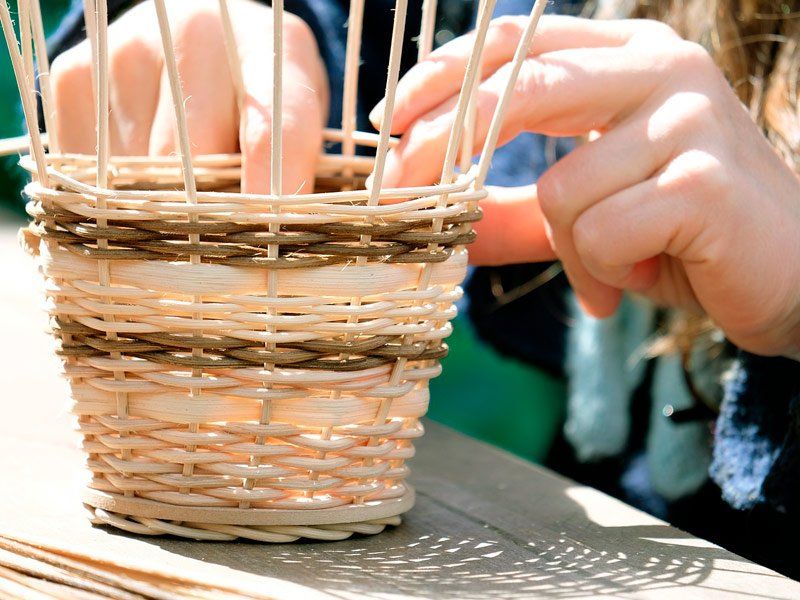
{"type": "Point", "coordinates": [757, 441]}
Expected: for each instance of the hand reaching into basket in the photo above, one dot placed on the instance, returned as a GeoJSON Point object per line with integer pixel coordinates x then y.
{"type": "Point", "coordinates": [680, 197]}
{"type": "Point", "coordinates": [142, 120]}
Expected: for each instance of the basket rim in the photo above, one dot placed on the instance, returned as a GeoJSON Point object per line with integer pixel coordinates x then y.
{"type": "Point", "coordinates": [463, 183]}
{"type": "Point", "coordinates": [350, 513]}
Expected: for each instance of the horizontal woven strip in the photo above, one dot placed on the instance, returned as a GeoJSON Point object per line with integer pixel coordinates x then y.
{"type": "Point", "coordinates": [341, 356]}
{"type": "Point", "coordinates": [221, 351]}
{"type": "Point", "coordinates": [223, 186]}
{"type": "Point", "coordinates": [247, 244]}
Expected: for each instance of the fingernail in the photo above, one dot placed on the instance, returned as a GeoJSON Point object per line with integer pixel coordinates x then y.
{"type": "Point", "coordinates": [376, 114]}
{"type": "Point", "coordinates": [600, 307]}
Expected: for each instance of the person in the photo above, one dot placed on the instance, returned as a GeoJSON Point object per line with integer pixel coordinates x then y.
{"type": "Point", "coordinates": [679, 197]}
{"type": "Point", "coordinates": [675, 195]}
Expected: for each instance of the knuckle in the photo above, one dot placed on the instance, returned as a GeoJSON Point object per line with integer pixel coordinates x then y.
{"type": "Point", "coordinates": [683, 118]}
{"type": "Point", "coordinates": [549, 190]}
{"type": "Point", "coordinates": [691, 56]}
{"type": "Point", "coordinates": [507, 27]}
{"type": "Point", "coordinates": [71, 71]}
{"type": "Point", "coordinates": [713, 177]}
{"type": "Point", "coordinates": [657, 29]}
{"type": "Point", "coordinates": [301, 133]}
{"type": "Point", "coordinates": [691, 109]}
{"type": "Point", "coordinates": [128, 53]}
{"type": "Point", "coordinates": [201, 23]}
{"type": "Point", "coordinates": [296, 31]}
{"type": "Point", "coordinates": [69, 60]}
{"type": "Point", "coordinates": [650, 34]}
{"type": "Point", "coordinates": [586, 238]}
{"type": "Point", "coordinates": [698, 172]}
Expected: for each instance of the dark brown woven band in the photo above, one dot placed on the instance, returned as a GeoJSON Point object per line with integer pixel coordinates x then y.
{"type": "Point", "coordinates": [247, 244]}
{"type": "Point", "coordinates": [228, 352]}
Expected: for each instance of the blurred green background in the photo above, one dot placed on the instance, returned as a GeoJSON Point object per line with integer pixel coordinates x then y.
{"type": "Point", "coordinates": [11, 122]}
{"type": "Point", "coordinates": [481, 393]}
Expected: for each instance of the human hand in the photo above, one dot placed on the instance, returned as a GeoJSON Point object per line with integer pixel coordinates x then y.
{"type": "Point", "coordinates": [680, 197]}
{"type": "Point", "coordinates": [142, 120]}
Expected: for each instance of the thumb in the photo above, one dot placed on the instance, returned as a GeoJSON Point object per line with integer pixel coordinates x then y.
{"type": "Point", "coordinates": [512, 230]}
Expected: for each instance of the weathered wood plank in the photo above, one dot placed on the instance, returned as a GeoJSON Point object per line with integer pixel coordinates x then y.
{"type": "Point", "coordinates": [486, 525]}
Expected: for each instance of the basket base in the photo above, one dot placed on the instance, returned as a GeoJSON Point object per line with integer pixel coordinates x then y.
{"type": "Point", "coordinates": [147, 517]}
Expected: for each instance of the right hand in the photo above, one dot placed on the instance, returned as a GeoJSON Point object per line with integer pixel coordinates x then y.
{"type": "Point", "coordinates": [142, 120]}
{"type": "Point", "coordinates": [680, 197]}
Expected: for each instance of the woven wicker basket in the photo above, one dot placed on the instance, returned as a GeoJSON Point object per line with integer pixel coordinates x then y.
{"type": "Point", "coordinates": [249, 365]}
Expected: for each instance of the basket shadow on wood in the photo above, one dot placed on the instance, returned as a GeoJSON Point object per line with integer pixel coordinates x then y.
{"type": "Point", "coordinates": [501, 533]}
{"type": "Point", "coordinates": [248, 365]}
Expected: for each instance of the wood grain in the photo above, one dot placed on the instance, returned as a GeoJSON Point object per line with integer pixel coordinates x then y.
{"type": "Point", "coordinates": [486, 525]}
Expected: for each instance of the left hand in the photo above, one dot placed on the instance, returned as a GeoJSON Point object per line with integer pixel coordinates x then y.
{"type": "Point", "coordinates": [141, 119]}
{"type": "Point", "coordinates": [680, 197]}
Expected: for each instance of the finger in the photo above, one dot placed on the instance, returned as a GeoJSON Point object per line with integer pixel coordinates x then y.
{"type": "Point", "coordinates": [596, 298]}
{"type": "Point", "coordinates": [134, 81]}
{"type": "Point", "coordinates": [623, 239]}
{"type": "Point", "coordinates": [301, 125]}
{"type": "Point", "coordinates": [304, 100]}
{"type": "Point", "coordinates": [440, 75]}
{"type": "Point", "coordinates": [622, 157]}
{"type": "Point", "coordinates": [71, 80]}
{"type": "Point", "coordinates": [512, 229]}
{"type": "Point", "coordinates": [662, 238]}
{"type": "Point", "coordinates": [207, 87]}
{"type": "Point", "coordinates": [568, 92]}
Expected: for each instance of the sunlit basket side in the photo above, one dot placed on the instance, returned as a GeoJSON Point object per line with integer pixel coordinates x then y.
{"type": "Point", "coordinates": [250, 365]}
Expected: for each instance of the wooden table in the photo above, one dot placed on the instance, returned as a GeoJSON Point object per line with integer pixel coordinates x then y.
{"type": "Point", "coordinates": [486, 524]}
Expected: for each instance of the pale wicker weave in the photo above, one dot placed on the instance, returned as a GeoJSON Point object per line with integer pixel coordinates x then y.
{"type": "Point", "coordinates": [249, 365]}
